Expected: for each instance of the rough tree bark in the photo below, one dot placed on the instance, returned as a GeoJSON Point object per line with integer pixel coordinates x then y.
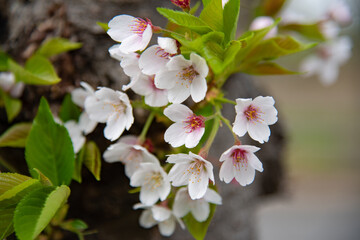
{"type": "Point", "coordinates": [106, 205]}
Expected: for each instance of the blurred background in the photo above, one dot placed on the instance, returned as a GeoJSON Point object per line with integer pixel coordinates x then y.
{"type": "Point", "coordinates": [321, 199]}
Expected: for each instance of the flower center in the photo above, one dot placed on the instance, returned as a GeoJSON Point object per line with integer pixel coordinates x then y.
{"type": "Point", "coordinates": [153, 180]}
{"type": "Point", "coordinates": [118, 108]}
{"type": "Point", "coordinates": [188, 74]}
{"type": "Point", "coordinates": [194, 122]}
{"type": "Point", "coordinates": [239, 159]}
{"type": "Point", "coordinates": [139, 26]}
{"type": "Point", "coordinates": [163, 54]}
{"type": "Point", "coordinates": [194, 171]}
{"type": "Point", "coordinates": [253, 114]}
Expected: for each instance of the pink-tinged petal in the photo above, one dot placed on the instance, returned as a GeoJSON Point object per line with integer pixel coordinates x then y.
{"type": "Point", "coordinates": [131, 44]}
{"type": "Point", "coordinates": [242, 104]}
{"type": "Point", "coordinates": [209, 171]}
{"type": "Point", "coordinates": [198, 186]}
{"type": "Point", "coordinates": [226, 173]}
{"type": "Point", "coordinates": [200, 210]}
{"type": "Point", "coordinates": [138, 178]}
{"type": "Point", "coordinates": [107, 94]}
{"type": "Point", "coordinates": [245, 175]}
{"type": "Point", "coordinates": [179, 175]}
{"type": "Point", "coordinates": [168, 44]}
{"type": "Point", "coordinates": [193, 138]}
{"type": "Point", "coordinates": [146, 156]}
{"type": "Point", "coordinates": [166, 79]}
{"type": "Point", "coordinates": [146, 37]}
{"type": "Point", "coordinates": [179, 93]}
{"type": "Point", "coordinates": [259, 132]}
{"type": "Point", "coordinates": [115, 126]}
{"type": "Point", "coordinates": [261, 101]}
{"type": "Point", "coordinates": [198, 89]}
{"type": "Point", "coordinates": [115, 52]}
{"type": "Point", "coordinates": [146, 219]}
{"type": "Point", "coordinates": [120, 27]}
{"type": "Point", "coordinates": [227, 154]}
{"type": "Point", "coordinates": [143, 86]}
{"type": "Point", "coordinates": [177, 112]}
{"type": "Point", "coordinates": [131, 84]}
{"type": "Point", "coordinates": [269, 115]}
{"type": "Point", "coordinates": [152, 60]}
{"type": "Point", "coordinates": [240, 125]}
{"type": "Point", "coordinates": [178, 63]}
{"type": "Point", "coordinates": [199, 64]}
{"type": "Point", "coordinates": [116, 152]}
{"type": "Point", "coordinates": [160, 213]}
{"type": "Point", "coordinates": [248, 148]}
{"type": "Point", "coordinates": [148, 196]}
{"type": "Point", "coordinates": [255, 162]}
{"type": "Point", "coordinates": [158, 98]}
{"type": "Point", "coordinates": [167, 227]}
{"type": "Point", "coordinates": [179, 158]}
{"type": "Point", "coordinates": [132, 164]}
{"type": "Point", "coordinates": [130, 65]}
{"type": "Point", "coordinates": [213, 197]}
{"type": "Point", "coordinates": [164, 190]}
{"type": "Point", "coordinates": [175, 135]}
{"type": "Point", "coordinates": [86, 124]}
{"type": "Point", "coordinates": [181, 205]}
{"type": "Point", "coordinates": [97, 111]}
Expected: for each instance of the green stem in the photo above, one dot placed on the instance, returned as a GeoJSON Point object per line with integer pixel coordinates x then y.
{"type": "Point", "coordinates": [225, 100]}
{"type": "Point", "coordinates": [146, 127]}
{"type": "Point", "coordinates": [227, 123]}
{"type": "Point", "coordinates": [205, 150]}
{"type": "Point", "coordinates": [7, 165]}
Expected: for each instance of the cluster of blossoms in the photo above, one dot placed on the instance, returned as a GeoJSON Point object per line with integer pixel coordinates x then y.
{"type": "Point", "coordinates": [331, 16]}
{"type": "Point", "coordinates": [165, 78]}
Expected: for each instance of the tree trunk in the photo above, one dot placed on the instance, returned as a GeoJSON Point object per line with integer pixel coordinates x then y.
{"type": "Point", "coordinates": [106, 205]}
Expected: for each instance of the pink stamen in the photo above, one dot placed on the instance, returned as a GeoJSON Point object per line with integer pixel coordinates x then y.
{"type": "Point", "coordinates": [163, 54]}
{"type": "Point", "coordinates": [253, 114]}
{"type": "Point", "coordinates": [194, 122]}
{"type": "Point", "coordinates": [139, 26]}
{"type": "Point", "coordinates": [239, 158]}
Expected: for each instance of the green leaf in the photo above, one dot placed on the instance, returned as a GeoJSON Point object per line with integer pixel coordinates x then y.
{"type": "Point", "coordinates": [267, 68]}
{"type": "Point", "coordinates": [92, 159]}
{"type": "Point", "coordinates": [38, 71]}
{"type": "Point", "coordinates": [198, 229]}
{"type": "Point", "coordinates": [78, 165]}
{"type": "Point", "coordinates": [256, 37]}
{"type": "Point", "coordinates": [55, 46]}
{"type": "Point", "coordinates": [276, 47]}
{"type": "Point", "coordinates": [74, 225]}
{"type": "Point", "coordinates": [311, 31]}
{"type": "Point", "coordinates": [68, 110]}
{"type": "Point", "coordinates": [13, 187]}
{"type": "Point", "coordinates": [195, 8]}
{"type": "Point", "coordinates": [49, 147]}
{"type": "Point", "coordinates": [12, 105]}
{"type": "Point", "coordinates": [34, 211]}
{"type": "Point", "coordinates": [4, 66]}
{"type": "Point", "coordinates": [212, 14]}
{"type": "Point", "coordinates": [206, 2]}
{"type": "Point", "coordinates": [230, 20]}
{"type": "Point", "coordinates": [15, 136]}
{"type": "Point", "coordinates": [103, 25]}
{"type": "Point", "coordinates": [185, 20]}
{"type": "Point", "coordinates": [41, 177]}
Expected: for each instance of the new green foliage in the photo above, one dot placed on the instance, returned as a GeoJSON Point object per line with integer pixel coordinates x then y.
{"type": "Point", "coordinates": [230, 19]}
{"type": "Point", "coordinates": [15, 136]}
{"type": "Point", "coordinates": [68, 110]}
{"type": "Point", "coordinates": [34, 211]}
{"type": "Point", "coordinates": [54, 46]}
{"type": "Point", "coordinates": [49, 147]}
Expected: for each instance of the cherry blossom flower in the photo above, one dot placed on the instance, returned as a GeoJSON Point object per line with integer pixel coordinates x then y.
{"type": "Point", "coordinates": [240, 162]}
{"type": "Point", "coordinates": [192, 170]}
{"type": "Point", "coordinates": [78, 96]}
{"type": "Point", "coordinates": [327, 59]}
{"type": "Point", "coordinates": [110, 107]}
{"type": "Point", "coordinates": [254, 116]}
{"type": "Point", "coordinates": [133, 33]}
{"type": "Point", "coordinates": [8, 84]}
{"type": "Point", "coordinates": [187, 129]}
{"type": "Point", "coordinates": [340, 12]}
{"type": "Point", "coordinates": [127, 151]}
{"type": "Point", "coordinates": [199, 208]}
{"type": "Point", "coordinates": [161, 215]}
{"type": "Point", "coordinates": [154, 59]}
{"type": "Point", "coordinates": [76, 135]}
{"type": "Point", "coordinates": [154, 96]}
{"type": "Point", "coordinates": [184, 78]}
{"type": "Point", "coordinates": [153, 181]}
{"type": "Point", "coordinates": [183, 4]}
{"type": "Point", "coordinates": [263, 22]}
